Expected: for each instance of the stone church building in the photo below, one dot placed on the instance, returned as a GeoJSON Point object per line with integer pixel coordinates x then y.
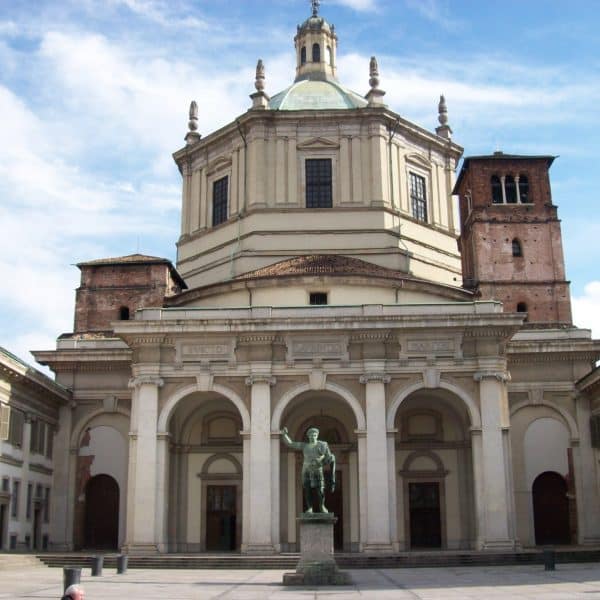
{"type": "Point", "coordinates": [325, 277]}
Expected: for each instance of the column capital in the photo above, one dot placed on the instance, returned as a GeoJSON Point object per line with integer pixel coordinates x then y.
{"type": "Point", "coordinates": [136, 382]}
{"type": "Point", "coordinates": [502, 376]}
{"type": "Point", "coordinates": [261, 378]}
{"type": "Point", "coordinates": [374, 378]}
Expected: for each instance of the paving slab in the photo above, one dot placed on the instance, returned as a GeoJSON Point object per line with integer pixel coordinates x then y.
{"type": "Point", "coordinates": [527, 582]}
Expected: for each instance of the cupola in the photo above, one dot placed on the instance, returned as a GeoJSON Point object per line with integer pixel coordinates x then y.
{"type": "Point", "coordinates": [316, 44]}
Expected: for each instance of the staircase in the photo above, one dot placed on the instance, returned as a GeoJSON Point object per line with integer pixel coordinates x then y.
{"type": "Point", "coordinates": [344, 560]}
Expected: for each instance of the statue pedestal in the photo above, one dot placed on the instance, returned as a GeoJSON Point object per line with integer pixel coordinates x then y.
{"type": "Point", "coordinates": [317, 565]}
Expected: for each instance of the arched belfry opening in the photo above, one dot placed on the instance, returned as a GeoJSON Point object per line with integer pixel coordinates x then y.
{"type": "Point", "coordinates": [337, 425]}
{"type": "Point", "coordinates": [205, 474]}
{"type": "Point", "coordinates": [434, 472]}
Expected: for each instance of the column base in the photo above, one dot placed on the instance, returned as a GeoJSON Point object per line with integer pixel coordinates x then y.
{"type": "Point", "coordinates": [378, 548]}
{"type": "Point", "coordinates": [259, 549]}
{"type": "Point", "coordinates": [590, 541]}
{"type": "Point", "coordinates": [140, 549]}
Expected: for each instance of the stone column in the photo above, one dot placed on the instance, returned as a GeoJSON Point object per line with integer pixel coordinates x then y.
{"type": "Point", "coordinates": [61, 505]}
{"type": "Point", "coordinates": [490, 457]}
{"type": "Point", "coordinates": [377, 484]}
{"type": "Point", "coordinates": [162, 493]}
{"type": "Point", "coordinates": [588, 517]}
{"type": "Point", "coordinates": [142, 536]}
{"type": "Point", "coordinates": [259, 516]}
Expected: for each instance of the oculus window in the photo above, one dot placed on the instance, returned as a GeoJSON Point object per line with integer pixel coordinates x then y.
{"type": "Point", "coordinates": [418, 197]}
{"type": "Point", "coordinates": [318, 183]}
{"type": "Point", "coordinates": [219, 202]}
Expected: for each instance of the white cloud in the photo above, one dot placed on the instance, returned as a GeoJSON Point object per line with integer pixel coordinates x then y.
{"type": "Point", "coordinates": [586, 308]}
{"type": "Point", "coordinates": [359, 5]}
{"type": "Point", "coordinates": [435, 11]}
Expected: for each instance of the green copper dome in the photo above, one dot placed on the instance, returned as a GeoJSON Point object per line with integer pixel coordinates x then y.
{"type": "Point", "coordinates": [310, 94]}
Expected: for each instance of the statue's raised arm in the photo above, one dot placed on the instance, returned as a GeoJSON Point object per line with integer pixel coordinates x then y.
{"type": "Point", "coordinates": [287, 440]}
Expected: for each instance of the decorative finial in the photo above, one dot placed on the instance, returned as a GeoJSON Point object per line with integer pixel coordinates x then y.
{"type": "Point", "coordinates": [192, 135]}
{"type": "Point", "coordinates": [373, 73]}
{"type": "Point", "coordinates": [193, 122]}
{"type": "Point", "coordinates": [444, 129]}
{"type": "Point", "coordinates": [315, 7]}
{"type": "Point", "coordinates": [259, 82]}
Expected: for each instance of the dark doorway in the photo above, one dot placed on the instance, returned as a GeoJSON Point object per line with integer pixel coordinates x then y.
{"type": "Point", "coordinates": [37, 532]}
{"type": "Point", "coordinates": [425, 521]}
{"type": "Point", "coordinates": [550, 509]}
{"type": "Point", "coordinates": [221, 513]}
{"type": "Point", "coordinates": [101, 528]}
{"type": "Point", "coordinates": [3, 525]}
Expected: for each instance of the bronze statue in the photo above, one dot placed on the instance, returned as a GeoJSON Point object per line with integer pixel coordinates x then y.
{"type": "Point", "coordinates": [316, 454]}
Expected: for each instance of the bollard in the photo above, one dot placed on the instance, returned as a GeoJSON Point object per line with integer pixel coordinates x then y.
{"type": "Point", "coordinates": [97, 563]}
{"type": "Point", "coordinates": [549, 560]}
{"type": "Point", "coordinates": [121, 564]}
{"type": "Point", "coordinates": [71, 576]}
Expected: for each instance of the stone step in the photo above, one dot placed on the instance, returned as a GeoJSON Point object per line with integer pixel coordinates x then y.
{"type": "Point", "coordinates": [344, 560]}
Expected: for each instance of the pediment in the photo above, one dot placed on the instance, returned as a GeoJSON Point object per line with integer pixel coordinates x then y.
{"type": "Point", "coordinates": [418, 159]}
{"type": "Point", "coordinates": [222, 162]}
{"type": "Point", "coordinates": [318, 143]}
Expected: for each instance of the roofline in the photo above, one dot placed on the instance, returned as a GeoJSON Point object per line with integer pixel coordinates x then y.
{"type": "Point", "coordinates": [19, 366]}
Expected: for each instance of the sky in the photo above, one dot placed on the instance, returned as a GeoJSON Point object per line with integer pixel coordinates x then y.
{"type": "Point", "coordinates": [94, 97]}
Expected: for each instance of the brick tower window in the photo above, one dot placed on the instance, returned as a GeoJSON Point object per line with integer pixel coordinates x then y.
{"type": "Point", "coordinates": [523, 189]}
{"type": "Point", "coordinates": [522, 308]}
{"type": "Point", "coordinates": [496, 190]}
{"type": "Point", "coordinates": [510, 189]}
{"type": "Point", "coordinates": [517, 249]}
{"type": "Point", "coordinates": [418, 197]}
{"type": "Point", "coordinates": [124, 313]}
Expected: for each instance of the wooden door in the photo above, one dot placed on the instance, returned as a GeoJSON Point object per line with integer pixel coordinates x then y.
{"type": "Point", "coordinates": [101, 529]}
{"type": "Point", "coordinates": [551, 509]}
{"type": "Point", "coordinates": [221, 518]}
{"type": "Point", "coordinates": [425, 519]}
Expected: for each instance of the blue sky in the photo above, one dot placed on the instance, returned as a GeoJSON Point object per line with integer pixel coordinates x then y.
{"type": "Point", "coordinates": [94, 97]}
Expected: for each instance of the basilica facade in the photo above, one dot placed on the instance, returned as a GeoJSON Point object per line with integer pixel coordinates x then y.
{"type": "Point", "coordinates": [326, 277]}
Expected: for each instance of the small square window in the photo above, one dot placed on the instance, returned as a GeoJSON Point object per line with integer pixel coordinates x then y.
{"type": "Point", "coordinates": [318, 298]}
{"type": "Point", "coordinates": [219, 201]}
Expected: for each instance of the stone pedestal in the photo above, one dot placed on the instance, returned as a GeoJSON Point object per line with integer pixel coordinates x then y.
{"type": "Point", "coordinates": [317, 565]}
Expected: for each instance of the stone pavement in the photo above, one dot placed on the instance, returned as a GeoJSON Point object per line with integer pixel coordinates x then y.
{"type": "Point", "coordinates": [578, 581]}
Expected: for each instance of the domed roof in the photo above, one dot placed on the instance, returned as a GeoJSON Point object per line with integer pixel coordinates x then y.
{"type": "Point", "coordinates": [312, 94]}
{"type": "Point", "coordinates": [315, 22]}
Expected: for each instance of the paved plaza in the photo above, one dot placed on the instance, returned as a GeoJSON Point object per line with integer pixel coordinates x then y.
{"type": "Point", "coordinates": [581, 581]}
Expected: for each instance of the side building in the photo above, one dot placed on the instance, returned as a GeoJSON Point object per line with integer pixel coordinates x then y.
{"type": "Point", "coordinates": [30, 407]}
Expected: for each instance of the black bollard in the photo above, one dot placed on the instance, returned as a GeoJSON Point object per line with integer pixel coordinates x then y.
{"type": "Point", "coordinates": [549, 560]}
{"type": "Point", "coordinates": [121, 564]}
{"type": "Point", "coordinates": [97, 563]}
{"type": "Point", "coordinates": [71, 576]}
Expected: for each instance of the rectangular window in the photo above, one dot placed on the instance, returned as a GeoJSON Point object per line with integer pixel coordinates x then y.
{"type": "Point", "coordinates": [219, 203]}
{"type": "Point", "coordinates": [418, 197]}
{"type": "Point", "coordinates": [4, 421]}
{"type": "Point", "coordinates": [15, 434]}
{"type": "Point", "coordinates": [5, 484]}
{"type": "Point", "coordinates": [29, 500]}
{"type": "Point", "coordinates": [14, 509]}
{"type": "Point", "coordinates": [318, 298]}
{"type": "Point", "coordinates": [318, 183]}
{"type": "Point", "coordinates": [49, 442]}
{"type": "Point", "coordinates": [33, 438]}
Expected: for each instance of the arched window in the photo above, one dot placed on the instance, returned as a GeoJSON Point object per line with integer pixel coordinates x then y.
{"type": "Point", "coordinates": [329, 56]}
{"type": "Point", "coordinates": [511, 189]}
{"type": "Point", "coordinates": [303, 55]}
{"type": "Point", "coordinates": [524, 188]}
{"type": "Point", "coordinates": [496, 190]}
{"type": "Point", "coordinates": [316, 55]}
{"type": "Point", "coordinates": [124, 313]}
{"type": "Point", "coordinates": [517, 249]}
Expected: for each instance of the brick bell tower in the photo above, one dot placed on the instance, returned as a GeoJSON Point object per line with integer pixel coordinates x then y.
{"type": "Point", "coordinates": [510, 242]}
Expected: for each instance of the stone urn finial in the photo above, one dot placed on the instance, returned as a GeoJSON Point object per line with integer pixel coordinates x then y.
{"type": "Point", "coordinates": [259, 82]}
{"type": "Point", "coordinates": [373, 73]}
{"type": "Point", "coordinates": [192, 135]}
{"type": "Point", "coordinates": [444, 129]}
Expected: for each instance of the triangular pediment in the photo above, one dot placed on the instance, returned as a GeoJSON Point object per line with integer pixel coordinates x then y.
{"type": "Point", "coordinates": [318, 143]}
{"type": "Point", "coordinates": [418, 159]}
{"type": "Point", "coordinates": [222, 162]}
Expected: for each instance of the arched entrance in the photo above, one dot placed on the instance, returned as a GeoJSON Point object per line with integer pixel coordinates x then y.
{"type": "Point", "coordinates": [337, 423]}
{"type": "Point", "coordinates": [101, 524]}
{"type": "Point", "coordinates": [435, 485]}
{"type": "Point", "coordinates": [551, 509]}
